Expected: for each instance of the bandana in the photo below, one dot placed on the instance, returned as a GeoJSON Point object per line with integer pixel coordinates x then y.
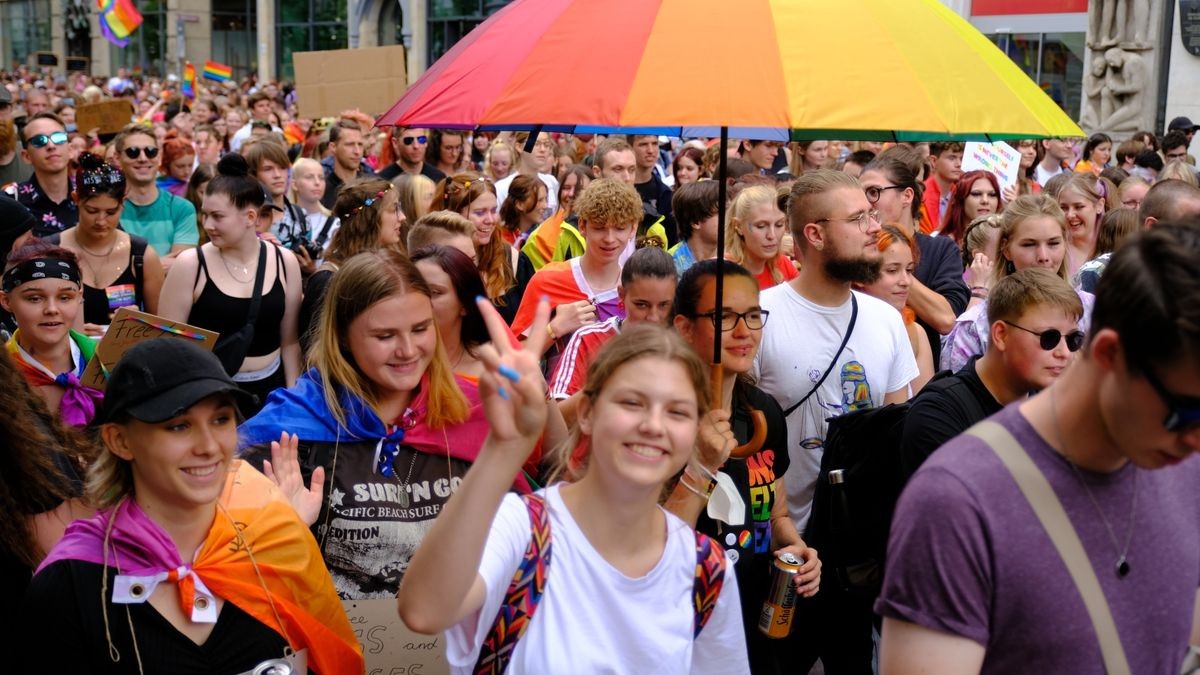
{"type": "Point", "coordinates": [41, 268]}
{"type": "Point", "coordinates": [79, 403]}
{"type": "Point", "coordinates": [257, 555]}
{"type": "Point", "coordinates": [302, 410]}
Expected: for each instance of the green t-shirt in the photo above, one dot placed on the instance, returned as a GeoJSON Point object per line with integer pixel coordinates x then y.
{"type": "Point", "coordinates": [166, 221]}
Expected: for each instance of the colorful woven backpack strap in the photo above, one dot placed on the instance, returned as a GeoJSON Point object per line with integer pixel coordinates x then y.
{"type": "Point", "coordinates": [523, 595]}
{"type": "Point", "coordinates": [710, 575]}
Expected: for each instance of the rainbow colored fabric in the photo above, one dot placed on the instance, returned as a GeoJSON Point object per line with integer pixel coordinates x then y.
{"type": "Point", "coordinates": [217, 71]}
{"type": "Point", "coordinates": [118, 20]}
{"type": "Point", "coordinates": [189, 81]}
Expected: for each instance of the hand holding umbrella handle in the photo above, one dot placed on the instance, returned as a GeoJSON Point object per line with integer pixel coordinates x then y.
{"type": "Point", "coordinates": [757, 418]}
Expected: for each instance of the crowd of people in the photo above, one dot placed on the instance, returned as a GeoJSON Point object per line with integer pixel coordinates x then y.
{"type": "Point", "coordinates": [528, 345]}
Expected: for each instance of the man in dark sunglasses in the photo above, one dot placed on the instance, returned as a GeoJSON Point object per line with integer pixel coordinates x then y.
{"type": "Point", "coordinates": [409, 146]}
{"type": "Point", "coordinates": [167, 222]}
{"type": "Point", "coordinates": [1033, 337]}
{"type": "Point", "coordinates": [47, 193]}
{"type": "Point", "coordinates": [1069, 541]}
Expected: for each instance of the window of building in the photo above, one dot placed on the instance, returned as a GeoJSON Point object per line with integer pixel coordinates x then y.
{"type": "Point", "coordinates": [451, 20]}
{"type": "Point", "coordinates": [1053, 60]}
{"type": "Point", "coordinates": [147, 48]}
{"type": "Point", "coordinates": [234, 35]}
{"type": "Point", "coordinates": [27, 26]}
{"type": "Point", "coordinates": [305, 26]}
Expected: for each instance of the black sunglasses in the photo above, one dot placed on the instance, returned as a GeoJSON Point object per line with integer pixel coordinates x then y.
{"type": "Point", "coordinates": [132, 152]}
{"type": "Point", "coordinates": [42, 140]}
{"type": "Point", "coordinates": [1182, 412]}
{"type": "Point", "coordinates": [408, 140]}
{"type": "Point", "coordinates": [1049, 339]}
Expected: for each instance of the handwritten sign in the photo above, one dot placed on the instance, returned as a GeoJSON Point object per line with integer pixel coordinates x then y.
{"type": "Point", "coordinates": [1001, 159]}
{"type": "Point", "coordinates": [389, 646]}
{"type": "Point", "coordinates": [108, 117]}
{"type": "Point", "coordinates": [130, 327]}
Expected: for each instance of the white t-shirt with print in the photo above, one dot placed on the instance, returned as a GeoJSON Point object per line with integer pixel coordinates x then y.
{"type": "Point", "coordinates": [594, 619]}
{"type": "Point", "coordinates": [798, 343]}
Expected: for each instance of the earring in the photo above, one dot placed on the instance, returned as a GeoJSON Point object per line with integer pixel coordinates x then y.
{"type": "Point", "coordinates": [1009, 267]}
{"type": "Point", "coordinates": [819, 246]}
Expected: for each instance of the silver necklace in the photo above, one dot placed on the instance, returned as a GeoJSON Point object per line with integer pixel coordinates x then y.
{"type": "Point", "coordinates": [1122, 565]}
{"type": "Point", "coordinates": [245, 269]}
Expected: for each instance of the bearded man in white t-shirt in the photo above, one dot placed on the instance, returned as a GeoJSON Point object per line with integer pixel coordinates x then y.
{"type": "Point", "coordinates": [835, 233]}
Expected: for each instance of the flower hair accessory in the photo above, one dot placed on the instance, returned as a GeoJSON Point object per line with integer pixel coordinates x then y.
{"type": "Point", "coordinates": [367, 202]}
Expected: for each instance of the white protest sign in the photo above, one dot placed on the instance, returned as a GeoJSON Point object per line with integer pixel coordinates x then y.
{"type": "Point", "coordinates": [1001, 159]}
{"type": "Point", "coordinates": [389, 647]}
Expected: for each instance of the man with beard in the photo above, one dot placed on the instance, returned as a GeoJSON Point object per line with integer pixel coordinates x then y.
{"type": "Point", "coordinates": [828, 350]}
{"type": "Point", "coordinates": [13, 168]}
{"type": "Point", "coordinates": [410, 146]}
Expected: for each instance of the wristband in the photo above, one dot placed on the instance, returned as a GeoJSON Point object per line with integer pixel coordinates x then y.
{"type": "Point", "coordinates": [709, 481]}
{"type": "Point", "coordinates": [980, 292]}
{"type": "Point", "coordinates": [701, 493]}
{"type": "Point", "coordinates": [550, 332]}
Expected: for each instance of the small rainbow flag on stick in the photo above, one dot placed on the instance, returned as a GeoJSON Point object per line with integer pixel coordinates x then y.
{"type": "Point", "coordinates": [118, 20]}
{"type": "Point", "coordinates": [217, 71]}
{"type": "Point", "coordinates": [189, 80]}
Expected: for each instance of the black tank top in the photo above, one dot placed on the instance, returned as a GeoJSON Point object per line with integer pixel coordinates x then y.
{"type": "Point", "coordinates": [125, 290]}
{"type": "Point", "coordinates": [226, 315]}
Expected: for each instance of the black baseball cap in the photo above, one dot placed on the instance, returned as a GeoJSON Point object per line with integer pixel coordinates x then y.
{"type": "Point", "coordinates": [1182, 124]}
{"type": "Point", "coordinates": [159, 379]}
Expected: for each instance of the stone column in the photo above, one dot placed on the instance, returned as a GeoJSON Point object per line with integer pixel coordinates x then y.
{"type": "Point", "coordinates": [266, 40]}
{"type": "Point", "coordinates": [417, 48]}
{"type": "Point", "coordinates": [1120, 85]}
{"type": "Point", "coordinates": [101, 54]}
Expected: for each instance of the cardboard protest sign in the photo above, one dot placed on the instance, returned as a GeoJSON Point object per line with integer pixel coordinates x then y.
{"type": "Point", "coordinates": [108, 116]}
{"type": "Point", "coordinates": [1001, 159]}
{"type": "Point", "coordinates": [370, 79]}
{"type": "Point", "coordinates": [389, 646]}
{"type": "Point", "coordinates": [130, 327]}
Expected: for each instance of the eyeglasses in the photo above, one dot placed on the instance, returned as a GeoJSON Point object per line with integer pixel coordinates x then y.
{"type": "Point", "coordinates": [862, 220]}
{"type": "Point", "coordinates": [1049, 339]}
{"type": "Point", "coordinates": [408, 140]}
{"type": "Point", "coordinates": [874, 192]}
{"type": "Point", "coordinates": [1132, 204]}
{"type": "Point", "coordinates": [544, 144]}
{"type": "Point", "coordinates": [1183, 413]}
{"type": "Point", "coordinates": [42, 140]}
{"type": "Point", "coordinates": [150, 151]}
{"type": "Point", "coordinates": [727, 320]}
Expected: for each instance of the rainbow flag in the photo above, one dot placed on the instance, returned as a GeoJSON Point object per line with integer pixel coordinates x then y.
{"type": "Point", "coordinates": [118, 20]}
{"type": "Point", "coordinates": [189, 80]}
{"type": "Point", "coordinates": [217, 71]}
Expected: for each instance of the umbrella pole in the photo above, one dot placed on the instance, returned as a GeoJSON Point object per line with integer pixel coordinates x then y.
{"type": "Point", "coordinates": [718, 371]}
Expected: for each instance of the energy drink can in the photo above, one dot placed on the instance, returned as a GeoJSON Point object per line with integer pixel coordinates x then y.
{"type": "Point", "coordinates": [775, 621]}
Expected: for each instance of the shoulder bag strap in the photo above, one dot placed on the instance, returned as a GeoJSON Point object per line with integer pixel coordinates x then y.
{"type": "Point", "coordinates": [836, 356]}
{"type": "Point", "coordinates": [324, 235]}
{"type": "Point", "coordinates": [710, 576]}
{"type": "Point", "coordinates": [256, 298]}
{"type": "Point", "coordinates": [1054, 520]}
{"type": "Point", "coordinates": [523, 595]}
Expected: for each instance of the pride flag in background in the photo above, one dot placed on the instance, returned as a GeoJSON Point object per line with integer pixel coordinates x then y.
{"type": "Point", "coordinates": [189, 80]}
{"type": "Point", "coordinates": [217, 71]}
{"type": "Point", "coordinates": [118, 20]}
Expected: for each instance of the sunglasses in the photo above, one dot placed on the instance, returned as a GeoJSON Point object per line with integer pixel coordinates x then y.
{"type": "Point", "coordinates": [42, 140]}
{"type": "Point", "coordinates": [132, 152]}
{"type": "Point", "coordinates": [1183, 413]}
{"type": "Point", "coordinates": [408, 140]}
{"type": "Point", "coordinates": [1049, 339]}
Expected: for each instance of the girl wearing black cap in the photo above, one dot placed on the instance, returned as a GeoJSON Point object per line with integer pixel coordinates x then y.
{"type": "Point", "coordinates": [195, 562]}
{"type": "Point", "coordinates": [239, 286]}
{"type": "Point", "coordinates": [385, 428]}
{"type": "Point", "coordinates": [118, 269]}
{"type": "Point", "coordinates": [43, 291]}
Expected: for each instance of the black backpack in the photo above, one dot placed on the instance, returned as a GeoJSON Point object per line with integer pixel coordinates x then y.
{"type": "Point", "coordinates": [857, 489]}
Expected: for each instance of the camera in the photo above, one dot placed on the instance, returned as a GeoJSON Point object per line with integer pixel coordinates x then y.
{"type": "Point", "coordinates": [311, 247]}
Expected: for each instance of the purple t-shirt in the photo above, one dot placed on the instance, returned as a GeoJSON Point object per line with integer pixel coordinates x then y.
{"type": "Point", "coordinates": [967, 556]}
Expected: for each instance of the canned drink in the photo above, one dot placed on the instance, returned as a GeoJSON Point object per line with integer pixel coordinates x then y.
{"type": "Point", "coordinates": [775, 621]}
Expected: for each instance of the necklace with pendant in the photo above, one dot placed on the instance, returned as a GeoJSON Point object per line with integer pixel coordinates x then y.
{"type": "Point", "coordinates": [1122, 564]}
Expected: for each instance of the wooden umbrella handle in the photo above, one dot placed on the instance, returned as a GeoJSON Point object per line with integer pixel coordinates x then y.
{"type": "Point", "coordinates": [757, 418]}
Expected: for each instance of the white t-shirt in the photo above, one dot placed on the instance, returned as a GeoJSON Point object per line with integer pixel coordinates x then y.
{"type": "Point", "coordinates": [594, 619]}
{"type": "Point", "coordinates": [798, 343]}
{"type": "Point", "coordinates": [1043, 175]}
{"type": "Point", "coordinates": [551, 190]}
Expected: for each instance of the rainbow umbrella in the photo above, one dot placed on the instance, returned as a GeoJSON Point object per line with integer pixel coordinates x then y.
{"type": "Point", "coordinates": [902, 70]}
{"type": "Point", "coordinates": [889, 70]}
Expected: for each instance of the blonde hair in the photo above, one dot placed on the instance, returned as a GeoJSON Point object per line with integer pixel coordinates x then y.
{"type": "Point", "coordinates": [739, 213]}
{"type": "Point", "coordinates": [1018, 211]}
{"type": "Point", "coordinates": [1096, 190]}
{"type": "Point", "coordinates": [608, 201]}
{"type": "Point", "coordinates": [435, 227]}
{"type": "Point", "coordinates": [360, 222]}
{"type": "Point", "coordinates": [304, 163]}
{"type": "Point", "coordinates": [364, 280]}
{"type": "Point", "coordinates": [642, 340]}
{"type": "Point", "coordinates": [513, 154]}
{"type": "Point", "coordinates": [1179, 170]}
{"type": "Point", "coordinates": [410, 188]}
{"type": "Point", "coordinates": [805, 203]}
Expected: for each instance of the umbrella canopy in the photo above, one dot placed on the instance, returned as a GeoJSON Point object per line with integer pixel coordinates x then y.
{"type": "Point", "coordinates": [902, 70]}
